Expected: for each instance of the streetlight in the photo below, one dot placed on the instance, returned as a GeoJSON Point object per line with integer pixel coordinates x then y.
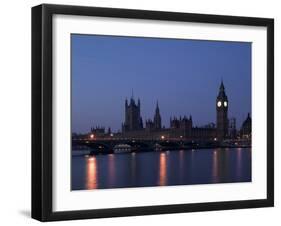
{"type": "Point", "coordinates": [92, 136]}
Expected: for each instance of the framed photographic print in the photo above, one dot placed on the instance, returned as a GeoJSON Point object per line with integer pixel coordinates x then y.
{"type": "Point", "coordinates": [146, 112]}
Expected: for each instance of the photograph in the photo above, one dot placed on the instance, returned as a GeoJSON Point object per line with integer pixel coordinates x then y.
{"type": "Point", "coordinates": [140, 112]}
{"type": "Point", "coordinates": [149, 111]}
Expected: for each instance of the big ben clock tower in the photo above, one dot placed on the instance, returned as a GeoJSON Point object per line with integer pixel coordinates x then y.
{"type": "Point", "coordinates": [222, 108]}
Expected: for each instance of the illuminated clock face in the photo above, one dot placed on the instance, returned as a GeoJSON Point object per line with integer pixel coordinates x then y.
{"type": "Point", "coordinates": [225, 103]}
{"type": "Point", "coordinates": [219, 103]}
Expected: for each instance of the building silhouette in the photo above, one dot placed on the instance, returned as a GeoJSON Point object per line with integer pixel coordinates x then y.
{"type": "Point", "coordinates": [180, 127]}
{"type": "Point", "coordinates": [98, 130]}
{"type": "Point", "coordinates": [222, 111]}
{"type": "Point", "coordinates": [246, 128]}
{"type": "Point", "coordinates": [157, 118]}
{"type": "Point", "coordinates": [133, 120]}
{"type": "Point", "coordinates": [232, 132]}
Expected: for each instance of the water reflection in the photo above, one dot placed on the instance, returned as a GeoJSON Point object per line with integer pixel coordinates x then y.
{"type": "Point", "coordinates": [221, 164]}
{"type": "Point", "coordinates": [111, 169]}
{"type": "Point", "coordinates": [239, 163]}
{"type": "Point", "coordinates": [176, 167]}
{"type": "Point", "coordinates": [181, 165]}
{"type": "Point", "coordinates": [215, 170]}
{"type": "Point", "coordinates": [163, 169]}
{"type": "Point", "coordinates": [91, 174]}
{"type": "Point", "coordinates": [133, 167]}
{"type": "Point", "coordinates": [224, 164]}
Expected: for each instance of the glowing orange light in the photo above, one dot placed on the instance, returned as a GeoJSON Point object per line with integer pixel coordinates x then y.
{"type": "Point", "coordinates": [91, 179]}
{"type": "Point", "coordinates": [162, 137]}
{"type": "Point", "coordinates": [92, 136]}
{"type": "Point", "coordinates": [162, 170]}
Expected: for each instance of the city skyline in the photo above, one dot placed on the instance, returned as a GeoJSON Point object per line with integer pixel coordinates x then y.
{"type": "Point", "coordinates": [182, 75]}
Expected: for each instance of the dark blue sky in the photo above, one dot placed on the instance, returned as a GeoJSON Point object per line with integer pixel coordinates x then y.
{"type": "Point", "coordinates": [183, 75]}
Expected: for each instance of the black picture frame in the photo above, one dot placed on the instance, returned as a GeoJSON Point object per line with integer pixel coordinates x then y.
{"type": "Point", "coordinates": [42, 196]}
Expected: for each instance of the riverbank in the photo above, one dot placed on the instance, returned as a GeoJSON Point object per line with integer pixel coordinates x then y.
{"type": "Point", "coordinates": [103, 151]}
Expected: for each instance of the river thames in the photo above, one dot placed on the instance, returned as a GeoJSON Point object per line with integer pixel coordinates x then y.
{"type": "Point", "coordinates": [163, 168]}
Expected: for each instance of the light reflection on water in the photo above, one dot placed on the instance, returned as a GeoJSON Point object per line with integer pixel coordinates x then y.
{"type": "Point", "coordinates": [181, 165]}
{"type": "Point", "coordinates": [215, 167]}
{"type": "Point", "coordinates": [177, 167]}
{"type": "Point", "coordinates": [111, 169]}
{"type": "Point", "coordinates": [91, 178]}
{"type": "Point", "coordinates": [163, 169]}
{"type": "Point", "coordinates": [133, 166]}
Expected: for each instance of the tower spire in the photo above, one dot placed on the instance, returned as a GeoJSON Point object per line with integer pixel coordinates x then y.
{"type": "Point", "coordinates": [157, 117]}
{"type": "Point", "coordinates": [132, 101]}
{"type": "Point", "coordinates": [222, 113]}
{"type": "Point", "coordinates": [222, 85]}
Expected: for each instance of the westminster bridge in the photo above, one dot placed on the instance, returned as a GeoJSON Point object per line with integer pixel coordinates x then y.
{"type": "Point", "coordinates": [107, 145]}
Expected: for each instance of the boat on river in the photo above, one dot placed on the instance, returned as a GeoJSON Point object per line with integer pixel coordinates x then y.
{"type": "Point", "coordinates": [122, 148]}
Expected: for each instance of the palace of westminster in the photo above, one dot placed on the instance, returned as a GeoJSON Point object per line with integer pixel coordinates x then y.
{"type": "Point", "coordinates": [180, 128]}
